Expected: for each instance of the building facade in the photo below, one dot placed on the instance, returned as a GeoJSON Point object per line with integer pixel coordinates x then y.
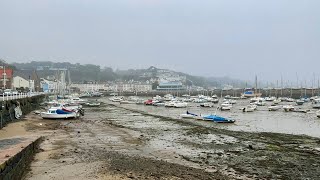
{"type": "Point", "coordinates": [114, 87]}
{"type": "Point", "coordinates": [20, 82]}
{"type": "Point", "coordinates": [171, 86]}
{"type": "Point", "coordinates": [6, 77]}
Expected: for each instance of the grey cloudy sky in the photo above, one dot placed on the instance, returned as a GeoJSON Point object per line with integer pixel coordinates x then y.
{"type": "Point", "coordinates": [236, 38]}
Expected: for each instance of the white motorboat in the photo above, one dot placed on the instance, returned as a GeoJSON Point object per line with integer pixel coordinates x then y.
{"type": "Point", "coordinates": [316, 104]}
{"type": "Point", "coordinates": [169, 104]}
{"type": "Point", "coordinates": [116, 99]}
{"type": "Point", "coordinates": [180, 104]}
{"type": "Point", "coordinates": [288, 108]}
{"type": "Point", "coordinates": [168, 97]}
{"type": "Point", "coordinates": [214, 96]}
{"type": "Point", "coordinates": [249, 108]}
{"type": "Point", "coordinates": [256, 99]}
{"type": "Point", "coordinates": [276, 101]}
{"type": "Point", "coordinates": [157, 98]}
{"type": "Point", "coordinates": [198, 100]}
{"type": "Point", "coordinates": [206, 105]}
{"type": "Point", "coordinates": [290, 100]}
{"type": "Point", "coordinates": [300, 102]}
{"type": "Point", "coordinates": [188, 115]}
{"type": "Point", "coordinates": [226, 106]}
{"type": "Point", "coordinates": [158, 103]}
{"type": "Point", "coordinates": [274, 107]}
{"type": "Point", "coordinates": [260, 103]}
{"type": "Point", "coordinates": [78, 101]}
{"type": "Point", "coordinates": [270, 98]}
{"type": "Point", "coordinates": [215, 100]}
{"type": "Point", "coordinates": [54, 113]}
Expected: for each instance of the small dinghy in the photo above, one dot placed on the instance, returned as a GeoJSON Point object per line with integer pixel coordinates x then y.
{"type": "Point", "coordinates": [188, 115]}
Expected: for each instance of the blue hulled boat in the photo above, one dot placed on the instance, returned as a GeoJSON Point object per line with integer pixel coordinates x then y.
{"type": "Point", "coordinates": [218, 119]}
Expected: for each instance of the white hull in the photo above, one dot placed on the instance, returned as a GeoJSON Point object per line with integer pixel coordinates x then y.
{"type": "Point", "coordinates": [46, 115]}
{"type": "Point", "coordinates": [248, 108]}
{"type": "Point", "coordinates": [288, 108]}
{"type": "Point", "coordinates": [188, 116]}
{"type": "Point", "coordinates": [127, 102]}
{"type": "Point", "coordinates": [251, 95]}
{"type": "Point", "coordinates": [180, 105]}
{"type": "Point", "coordinates": [226, 108]}
{"type": "Point", "coordinates": [274, 108]}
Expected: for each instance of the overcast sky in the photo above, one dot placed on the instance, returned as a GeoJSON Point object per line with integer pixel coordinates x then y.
{"type": "Point", "coordinates": [235, 38]}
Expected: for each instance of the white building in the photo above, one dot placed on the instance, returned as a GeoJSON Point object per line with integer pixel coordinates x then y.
{"type": "Point", "coordinates": [120, 87]}
{"type": "Point", "coordinates": [89, 87]}
{"type": "Point", "coordinates": [49, 86]}
{"type": "Point", "coordinates": [19, 82]}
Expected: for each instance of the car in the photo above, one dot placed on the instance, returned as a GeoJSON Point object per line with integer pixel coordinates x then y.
{"type": "Point", "coordinates": [14, 92]}
{"type": "Point", "coordinates": [7, 92]}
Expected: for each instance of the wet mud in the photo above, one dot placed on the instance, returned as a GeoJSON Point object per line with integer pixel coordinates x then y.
{"type": "Point", "coordinates": [115, 142]}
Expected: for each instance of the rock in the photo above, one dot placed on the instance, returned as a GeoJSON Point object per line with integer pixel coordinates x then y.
{"type": "Point", "coordinates": [250, 146]}
{"type": "Point", "coordinates": [219, 153]}
{"type": "Point", "coordinates": [7, 155]}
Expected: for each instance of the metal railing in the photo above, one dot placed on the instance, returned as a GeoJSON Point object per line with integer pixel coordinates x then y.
{"type": "Point", "coordinates": [7, 97]}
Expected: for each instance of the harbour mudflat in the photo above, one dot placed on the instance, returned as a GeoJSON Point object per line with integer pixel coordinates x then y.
{"type": "Point", "coordinates": [260, 120]}
{"type": "Point", "coordinates": [114, 142]}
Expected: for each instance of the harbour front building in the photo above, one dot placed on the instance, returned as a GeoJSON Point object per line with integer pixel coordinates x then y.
{"type": "Point", "coordinates": [171, 86]}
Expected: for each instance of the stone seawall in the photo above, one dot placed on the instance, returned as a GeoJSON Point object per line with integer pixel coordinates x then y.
{"type": "Point", "coordinates": [17, 159]}
{"type": "Point", "coordinates": [28, 104]}
{"type": "Point", "coordinates": [294, 93]}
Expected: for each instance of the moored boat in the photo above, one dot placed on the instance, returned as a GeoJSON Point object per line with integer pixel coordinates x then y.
{"type": "Point", "coordinates": [288, 108]}
{"type": "Point", "coordinates": [206, 105]}
{"type": "Point", "coordinates": [299, 102]}
{"type": "Point", "coordinates": [188, 115]}
{"type": "Point", "coordinates": [93, 104]}
{"type": "Point", "coordinates": [148, 102]}
{"type": "Point", "coordinates": [316, 104]}
{"type": "Point", "coordinates": [249, 108]}
{"type": "Point", "coordinates": [218, 119]}
{"type": "Point", "coordinates": [274, 107]}
{"type": "Point", "coordinates": [62, 113]}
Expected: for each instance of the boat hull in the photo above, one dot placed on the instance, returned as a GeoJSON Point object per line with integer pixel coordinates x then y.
{"type": "Point", "coordinates": [58, 116]}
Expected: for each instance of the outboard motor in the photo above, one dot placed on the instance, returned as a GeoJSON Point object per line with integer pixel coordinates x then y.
{"type": "Point", "coordinates": [81, 110]}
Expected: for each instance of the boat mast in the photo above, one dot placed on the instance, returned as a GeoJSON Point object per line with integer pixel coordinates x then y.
{"type": "Point", "coordinates": [281, 87]}
{"type": "Point", "coordinates": [277, 89]}
{"type": "Point", "coordinates": [313, 82]}
{"type": "Point", "coordinates": [318, 87]}
{"type": "Point", "coordinates": [305, 89]}
{"type": "Point", "coordinates": [256, 84]}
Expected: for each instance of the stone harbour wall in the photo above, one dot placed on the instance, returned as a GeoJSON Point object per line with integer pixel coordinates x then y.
{"type": "Point", "coordinates": [28, 104]}
{"type": "Point", "coordinates": [15, 167]}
